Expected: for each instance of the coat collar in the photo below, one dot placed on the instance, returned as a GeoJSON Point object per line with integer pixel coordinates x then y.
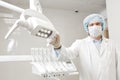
{"type": "Point", "coordinates": [104, 40]}
{"type": "Point", "coordinates": [104, 43]}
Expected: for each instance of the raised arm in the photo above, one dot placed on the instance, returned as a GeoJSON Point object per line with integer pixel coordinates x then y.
{"type": "Point", "coordinates": [61, 51]}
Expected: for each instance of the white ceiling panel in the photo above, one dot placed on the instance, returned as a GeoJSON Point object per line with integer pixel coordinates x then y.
{"type": "Point", "coordinates": [84, 6]}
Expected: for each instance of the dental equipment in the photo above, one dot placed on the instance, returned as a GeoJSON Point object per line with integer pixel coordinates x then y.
{"type": "Point", "coordinates": [38, 24]}
{"type": "Point", "coordinates": [34, 21]}
{"type": "Point", "coordinates": [44, 64]}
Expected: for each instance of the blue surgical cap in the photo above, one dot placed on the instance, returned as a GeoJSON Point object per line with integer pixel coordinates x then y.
{"type": "Point", "coordinates": [92, 17]}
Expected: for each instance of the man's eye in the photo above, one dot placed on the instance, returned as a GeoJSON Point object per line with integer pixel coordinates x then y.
{"type": "Point", "coordinates": [91, 25]}
{"type": "Point", "coordinates": [98, 24]}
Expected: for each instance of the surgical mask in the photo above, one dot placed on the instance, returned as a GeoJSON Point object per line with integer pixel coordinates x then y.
{"type": "Point", "coordinates": [95, 31]}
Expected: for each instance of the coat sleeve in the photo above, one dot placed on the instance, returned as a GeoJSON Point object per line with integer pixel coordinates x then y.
{"type": "Point", "coordinates": [68, 53]}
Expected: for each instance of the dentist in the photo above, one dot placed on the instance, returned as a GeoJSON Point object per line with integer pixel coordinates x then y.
{"type": "Point", "coordinates": [97, 55]}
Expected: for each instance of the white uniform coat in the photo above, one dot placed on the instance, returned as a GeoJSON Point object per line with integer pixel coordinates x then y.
{"type": "Point", "coordinates": [94, 64]}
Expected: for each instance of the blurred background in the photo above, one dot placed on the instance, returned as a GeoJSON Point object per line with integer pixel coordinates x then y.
{"type": "Point", "coordinates": [67, 17]}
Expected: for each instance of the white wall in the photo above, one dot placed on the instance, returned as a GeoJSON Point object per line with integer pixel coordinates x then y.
{"type": "Point", "coordinates": [69, 25]}
{"type": "Point", "coordinates": [113, 13]}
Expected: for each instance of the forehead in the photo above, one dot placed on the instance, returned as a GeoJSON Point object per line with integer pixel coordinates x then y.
{"type": "Point", "coordinates": [94, 21]}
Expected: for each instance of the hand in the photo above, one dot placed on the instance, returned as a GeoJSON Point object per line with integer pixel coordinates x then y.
{"type": "Point", "coordinates": [55, 41]}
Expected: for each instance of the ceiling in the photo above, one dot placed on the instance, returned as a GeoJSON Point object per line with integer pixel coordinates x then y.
{"type": "Point", "coordinates": [85, 6]}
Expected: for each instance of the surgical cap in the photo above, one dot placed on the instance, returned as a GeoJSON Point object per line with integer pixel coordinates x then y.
{"type": "Point", "coordinates": [93, 17]}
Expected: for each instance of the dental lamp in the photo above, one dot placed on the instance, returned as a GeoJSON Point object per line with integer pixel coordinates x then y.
{"type": "Point", "coordinates": [34, 21]}
{"type": "Point", "coordinates": [39, 25]}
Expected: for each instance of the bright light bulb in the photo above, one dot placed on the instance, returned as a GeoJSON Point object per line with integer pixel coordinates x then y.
{"type": "Point", "coordinates": [38, 34]}
{"type": "Point", "coordinates": [48, 32]}
{"type": "Point", "coordinates": [46, 35]}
